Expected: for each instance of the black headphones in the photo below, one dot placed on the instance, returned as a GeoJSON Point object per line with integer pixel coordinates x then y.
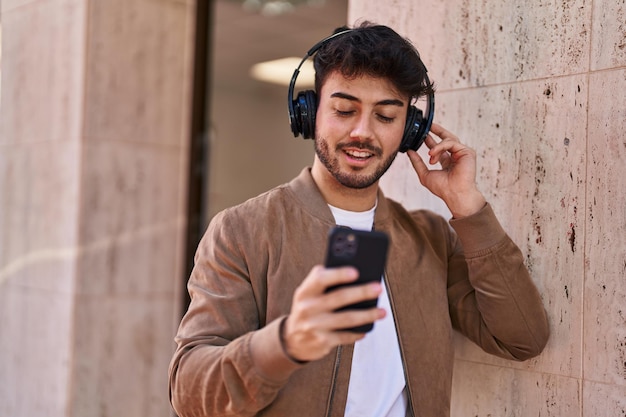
{"type": "Point", "coordinates": [303, 109]}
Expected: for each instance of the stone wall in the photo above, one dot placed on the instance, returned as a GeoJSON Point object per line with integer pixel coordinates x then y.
{"type": "Point", "coordinates": [93, 163]}
{"type": "Point", "coordinates": [538, 88]}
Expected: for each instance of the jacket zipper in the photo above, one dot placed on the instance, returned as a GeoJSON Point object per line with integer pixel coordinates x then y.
{"type": "Point", "coordinates": [333, 381]}
{"type": "Point", "coordinates": [402, 357]}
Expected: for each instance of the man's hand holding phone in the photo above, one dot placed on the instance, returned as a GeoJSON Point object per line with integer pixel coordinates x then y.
{"type": "Point", "coordinates": [336, 305]}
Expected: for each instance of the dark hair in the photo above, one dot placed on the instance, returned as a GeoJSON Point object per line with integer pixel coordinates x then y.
{"type": "Point", "coordinates": [377, 51]}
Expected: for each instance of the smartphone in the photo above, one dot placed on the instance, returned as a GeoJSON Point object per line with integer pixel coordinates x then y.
{"type": "Point", "coordinates": [364, 250]}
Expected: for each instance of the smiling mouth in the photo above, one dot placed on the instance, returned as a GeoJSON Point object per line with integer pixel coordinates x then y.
{"type": "Point", "coordinates": [360, 151]}
{"type": "Point", "coordinates": [356, 154]}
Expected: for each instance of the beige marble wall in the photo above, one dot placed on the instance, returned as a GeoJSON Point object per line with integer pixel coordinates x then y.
{"type": "Point", "coordinates": [539, 90]}
{"type": "Point", "coordinates": [93, 158]}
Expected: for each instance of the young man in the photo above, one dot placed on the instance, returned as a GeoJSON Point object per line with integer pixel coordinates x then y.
{"type": "Point", "coordinates": [263, 337]}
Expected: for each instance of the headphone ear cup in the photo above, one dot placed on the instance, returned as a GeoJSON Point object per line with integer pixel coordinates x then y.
{"type": "Point", "coordinates": [308, 119]}
{"type": "Point", "coordinates": [305, 110]}
{"type": "Point", "coordinates": [414, 130]}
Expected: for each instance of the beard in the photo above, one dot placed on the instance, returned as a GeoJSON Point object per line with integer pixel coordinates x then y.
{"type": "Point", "coordinates": [352, 179]}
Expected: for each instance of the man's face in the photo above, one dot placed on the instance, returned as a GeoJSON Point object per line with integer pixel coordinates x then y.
{"type": "Point", "coordinates": [359, 127]}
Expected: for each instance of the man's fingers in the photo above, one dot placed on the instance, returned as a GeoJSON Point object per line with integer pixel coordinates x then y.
{"type": "Point", "coordinates": [442, 133]}
{"type": "Point", "coordinates": [320, 278]}
{"type": "Point", "coordinates": [312, 298]}
{"type": "Point", "coordinates": [430, 142]}
{"type": "Point", "coordinates": [339, 320]}
{"type": "Point", "coordinates": [341, 297]}
{"type": "Point", "coordinates": [418, 164]}
{"type": "Point", "coordinates": [354, 318]}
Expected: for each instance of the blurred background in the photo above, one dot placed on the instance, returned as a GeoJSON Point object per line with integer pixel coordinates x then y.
{"type": "Point", "coordinates": [250, 140]}
{"type": "Point", "coordinates": [242, 134]}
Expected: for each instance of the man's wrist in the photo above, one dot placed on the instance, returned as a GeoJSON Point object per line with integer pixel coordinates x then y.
{"type": "Point", "coordinates": [283, 343]}
{"type": "Point", "coordinates": [465, 205]}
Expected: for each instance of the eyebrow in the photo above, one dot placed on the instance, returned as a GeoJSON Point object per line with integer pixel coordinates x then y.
{"type": "Point", "coordinates": [386, 102]}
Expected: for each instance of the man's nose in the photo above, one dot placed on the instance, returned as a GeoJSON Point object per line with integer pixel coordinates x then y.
{"type": "Point", "coordinates": [362, 128]}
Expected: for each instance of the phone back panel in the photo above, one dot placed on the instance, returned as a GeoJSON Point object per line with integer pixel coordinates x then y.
{"type": "Point", "coordinates": [364, 250]}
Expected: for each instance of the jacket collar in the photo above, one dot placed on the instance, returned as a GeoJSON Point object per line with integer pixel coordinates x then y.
{"type": "Point", "coordinates": [306, 191]}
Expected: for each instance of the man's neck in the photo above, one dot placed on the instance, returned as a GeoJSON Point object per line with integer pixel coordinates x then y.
{"type": "Point", "coordinates": [338, 195]}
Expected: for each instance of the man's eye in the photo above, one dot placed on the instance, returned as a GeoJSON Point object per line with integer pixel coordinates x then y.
{"type": "Point", "coordinates": [385, 119]}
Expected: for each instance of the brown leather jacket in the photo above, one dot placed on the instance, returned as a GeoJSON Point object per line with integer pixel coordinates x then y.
{"type": "Point", "coordinates": [229, 360]}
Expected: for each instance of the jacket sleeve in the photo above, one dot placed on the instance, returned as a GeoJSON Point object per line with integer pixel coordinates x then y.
{"type": "Point", "coordinates": [492, 298]}
{"type": "Point", "coordinates": [226, 363]}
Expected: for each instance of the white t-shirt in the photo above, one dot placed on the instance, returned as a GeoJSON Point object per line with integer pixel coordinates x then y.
{"type": "Point", "coordinates": [377, 382]}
